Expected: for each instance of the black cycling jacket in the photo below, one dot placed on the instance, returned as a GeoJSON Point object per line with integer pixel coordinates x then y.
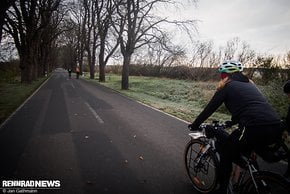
{"type": "Point", "coordinates": [288, 119]}
{"type": "Point", "coordinates": [244, 101]}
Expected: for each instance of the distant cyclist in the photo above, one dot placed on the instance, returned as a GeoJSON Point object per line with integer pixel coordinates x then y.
{"type": "Point", "coordinates": [69, 72]}
{"type": "Point", "coordinates": [78, 71]}
{"type": "Point", "coordinates": [259, 125]}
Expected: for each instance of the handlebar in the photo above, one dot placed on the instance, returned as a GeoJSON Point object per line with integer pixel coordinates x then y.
{"type": "Point", "coordinates": [216, 125]}
{"type": "Point", "coordinates": [215, 129]}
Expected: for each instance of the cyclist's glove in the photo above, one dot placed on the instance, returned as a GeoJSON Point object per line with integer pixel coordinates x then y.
{"type": "Point", "coordinates": [229, 123]}
{"type": "Point", "coordinates": [210, 131]}
{"type": "Point", "coordinates": [193, 127]}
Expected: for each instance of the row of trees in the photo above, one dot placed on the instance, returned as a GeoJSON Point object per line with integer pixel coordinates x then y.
{"type": "Point", "coordinates": [74, 32]}
{"type": "Point", "coordinates": [107, 28]}
{"type": "Point", "coordinates": [207, 55]}
{"type": "Point", "coordinates": [34, 27]}
{"type": "Point", "coordinates": [85, 30]}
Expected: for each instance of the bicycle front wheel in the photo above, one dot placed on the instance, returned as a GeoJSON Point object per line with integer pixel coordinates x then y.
{"type": "Point", "coordinates": [202, 171]}
{"type": "Point", "coordinates": [267, 183]}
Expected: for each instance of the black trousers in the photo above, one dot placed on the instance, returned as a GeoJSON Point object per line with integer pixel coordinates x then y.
{"type": "Point", "coordinates": [255, 138]}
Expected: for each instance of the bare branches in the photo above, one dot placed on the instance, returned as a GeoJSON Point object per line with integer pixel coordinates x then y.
{"type": "Point", "coordinates": [33, 26]}
{"type": "Point", "coordinates": [137, 26]}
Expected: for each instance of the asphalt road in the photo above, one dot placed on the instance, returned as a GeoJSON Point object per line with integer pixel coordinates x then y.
{"type": "Point", "coordinates": [93, 140]}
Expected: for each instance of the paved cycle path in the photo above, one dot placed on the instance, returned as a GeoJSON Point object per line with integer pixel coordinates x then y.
{"type": "Point", "coordinates": [93, 140]}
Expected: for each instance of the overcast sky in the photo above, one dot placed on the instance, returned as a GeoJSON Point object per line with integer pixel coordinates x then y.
{"type": "Point", "coordinates": [264, 24]}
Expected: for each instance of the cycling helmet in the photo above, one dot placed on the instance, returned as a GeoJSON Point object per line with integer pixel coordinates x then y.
{"type": "Point", "coordinates": [230, 66]}
{"type": "Point", "coordinates": [286, 87]}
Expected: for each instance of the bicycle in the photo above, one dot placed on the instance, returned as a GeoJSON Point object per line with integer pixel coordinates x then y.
{"type": "Point", "coordinates": [202, 159]}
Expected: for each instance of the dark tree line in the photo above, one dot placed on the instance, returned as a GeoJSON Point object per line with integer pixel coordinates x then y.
{"type": "Point", "coordinates": [110, 27]}
{"type": "Point", "coordinates": [93, 32]}
{"type": "Point", "coordinates": [85, 30]}
{"type": "Point", "coordinates": [33, 25]}
{"type": "Point", "coordinates": [4, 6]}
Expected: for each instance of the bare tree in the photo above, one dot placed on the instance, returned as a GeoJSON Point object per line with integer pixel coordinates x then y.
{"type": "Point", "coordinates": [231, 48]}
{"type": "Point", "coordinates": [51, 21]}
{"type": "Point", "coordinates": [214, 58]}
{"type": "Point", "coordinates": [25, 21]}
{"type": "Point", "coordinates": [239, 50]}
{"type": "Point", "coordinates": [105, 11]}
{"type": "Point", "coordinates": [4, 6]}
{"type": "Point", "coordinates": [201, 53]}
{"type": "Point", "coordinates": [76, 36]}
{"type": "Point", "coordinates": [162, 52]}
{"type": "Point", "coordinates": [287, 59]}
{"type": "Point", "coordinates": [136, 26]}
{"type": "Point", "coordinates": [245, 54]}
{"type": "Point", "coordinates": [92, 34]}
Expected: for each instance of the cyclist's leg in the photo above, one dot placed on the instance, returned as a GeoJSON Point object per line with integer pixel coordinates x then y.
{"type": "Point", "coordinates": [229, 151]}
{"type": "Point", "coordinates": [260, 137]}
{"type": "Point", "coordinates": [235, 174]}
{"type": "Point", "coordinates": [221, 136]}
{"type": "Point", "coordinates": [224, 170]}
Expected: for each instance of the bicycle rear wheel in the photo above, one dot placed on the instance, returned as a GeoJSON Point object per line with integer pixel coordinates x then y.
{"type": "Point", "coordinates": [268, 183]}
{"type": "Point", "coordinates": [203, 174]}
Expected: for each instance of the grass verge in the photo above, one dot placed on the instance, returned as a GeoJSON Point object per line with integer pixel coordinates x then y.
{"type": "Point", "coordinates": [186, 99]}
{"type": "Point", "coordinates": [14, 94]}
{"type": "Point", "coordinates": [181, 98]}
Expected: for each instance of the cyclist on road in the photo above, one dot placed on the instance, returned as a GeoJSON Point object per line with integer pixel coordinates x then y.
{"type": "Point", "coordinates": [69, 72]}
{"type": "Point", "coordinates": [78, 71]}
{"type": "Point", "coordinates": [259, 125]}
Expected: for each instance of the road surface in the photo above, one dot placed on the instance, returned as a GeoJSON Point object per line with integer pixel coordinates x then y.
{"type": "Point", "coordinates": [93, 140]}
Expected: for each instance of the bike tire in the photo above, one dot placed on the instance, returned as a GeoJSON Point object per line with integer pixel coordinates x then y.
{"type": "Point", "coordinates": [268, 183]}
{"type": "Point", "coordinates": [203, 178]}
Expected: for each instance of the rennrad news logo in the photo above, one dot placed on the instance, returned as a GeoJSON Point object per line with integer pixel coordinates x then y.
{"type": "Point", "coordinates": [28, 186]}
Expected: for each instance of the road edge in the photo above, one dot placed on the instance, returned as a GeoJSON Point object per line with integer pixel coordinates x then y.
{"type": "Point", "coordinates": [25, 101]}
{"type": "Point", "coordinates": [147, 105]}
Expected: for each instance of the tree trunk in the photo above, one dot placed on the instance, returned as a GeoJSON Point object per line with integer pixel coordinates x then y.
{"type": "Point", "coordinates": [26, 71]}
{"type": "Point", "coordinates": [92, 71]}
{"type": "Point", "coordinates": [102, 73]}
{"type": "Point", "coordinates": [125, 71]}
{"type": "Point", "coordinates": [2, 15]}
{"type": "Point", "coordinates": [92, 68]}
{"type": "Point", "coordinates": [93, 64]}
{"type": "Point", "coordinates": [26, 66]}
{"type": "Point", "coordinates": [102, 64]}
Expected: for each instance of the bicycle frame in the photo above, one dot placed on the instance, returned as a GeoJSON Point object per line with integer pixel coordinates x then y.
{"type": "Point", "coordinates": [247, 172]}
{"type": "Point", "coordinates": [209, 145]}
{"type": "Point", "coordinates": [201, 134]}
